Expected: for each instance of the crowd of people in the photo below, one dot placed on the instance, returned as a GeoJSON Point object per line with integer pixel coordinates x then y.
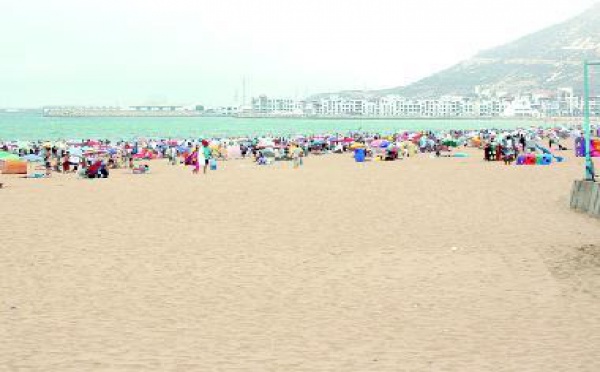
{"type": "Point", "coordinates": [508, 146]}
{"type": "Point", "coordinates": [96, 158]}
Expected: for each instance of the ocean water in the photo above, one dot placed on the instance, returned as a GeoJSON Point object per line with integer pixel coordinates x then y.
{"type": "Point", "coordinates": [29, 126]}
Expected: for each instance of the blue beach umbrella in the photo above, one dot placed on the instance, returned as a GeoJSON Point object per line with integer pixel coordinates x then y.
{"type": "Point", "coordinates": [32, 158]}
{"type": "Point", "coordinates": [384, 144]}
{"type": "Point", "coordinates": [76, 151]}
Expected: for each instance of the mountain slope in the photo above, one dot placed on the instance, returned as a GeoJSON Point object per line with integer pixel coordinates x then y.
{"type": "Point", "coordinates": [546, 60]}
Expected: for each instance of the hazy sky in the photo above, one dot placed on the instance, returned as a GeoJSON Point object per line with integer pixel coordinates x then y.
{"type": "Point", "coordinates": [185, 51]}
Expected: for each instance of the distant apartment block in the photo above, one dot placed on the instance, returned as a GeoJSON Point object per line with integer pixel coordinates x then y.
{"type": "Point", "coordinates": [265, 105]}
{"type": "Point", "coordinates": [562, 103]}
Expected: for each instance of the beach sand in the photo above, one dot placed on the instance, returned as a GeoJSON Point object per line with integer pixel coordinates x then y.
{"type": "Point", "coordinates": [417, 265]}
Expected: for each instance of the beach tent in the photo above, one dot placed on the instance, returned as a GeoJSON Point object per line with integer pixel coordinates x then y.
{"type": "Point", "coordinates": [13, 167]}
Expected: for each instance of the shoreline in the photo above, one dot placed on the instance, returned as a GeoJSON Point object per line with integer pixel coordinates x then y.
{"type": "Point", "coordinates": [320, 117]}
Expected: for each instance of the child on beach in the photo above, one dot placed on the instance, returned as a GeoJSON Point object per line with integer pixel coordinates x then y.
{"type": "Point", "coordinates": [508, 155]}
{"type": "Point", "coordinates": [207, 154]}
{"type": "Point", "coordinates": [197, 159]}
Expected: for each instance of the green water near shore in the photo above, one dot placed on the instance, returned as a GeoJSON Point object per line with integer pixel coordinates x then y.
{"type": "Point", "coordinates": [29, 126]}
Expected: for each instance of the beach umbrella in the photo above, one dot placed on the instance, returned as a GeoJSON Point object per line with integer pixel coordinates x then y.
{"type": "Point", "coordinates": [390, 145]}
{"type": "Point", "coordinates": [300, 139]}
{"type": "Point", "coordinates": [8, 156]}
{"type": "Point", "coordinates": [450, 142]}
{"type": "Point", "coordinates": [268, 152]}
{"type": "Point", "coordinates": [75, 151]}
{"type": "Point", "coordinates": [32, 158]}
{"type": "Point", "coordinates": [266, 144]}
{"type": "Point", "coordinates": [376, 143]}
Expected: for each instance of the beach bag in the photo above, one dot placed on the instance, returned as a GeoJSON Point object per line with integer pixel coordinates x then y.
{"type": "Point", "coordinates": [213, 164]}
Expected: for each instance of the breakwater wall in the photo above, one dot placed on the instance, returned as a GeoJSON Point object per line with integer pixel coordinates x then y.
{"type": "Point", "coordinates": [120, 113]}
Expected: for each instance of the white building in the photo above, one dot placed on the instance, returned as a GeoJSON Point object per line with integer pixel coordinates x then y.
{"type": "Point", "coordinates": [266, 105]}
{"type": "Point", "coordinates": [530, 105]}
{"type": "Point", "coordinates": [520, 107]}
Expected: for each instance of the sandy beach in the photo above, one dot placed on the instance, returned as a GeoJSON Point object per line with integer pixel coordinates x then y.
{"type": "Point", "coordinates": [423, 264]}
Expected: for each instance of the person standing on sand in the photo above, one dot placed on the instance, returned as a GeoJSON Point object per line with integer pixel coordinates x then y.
{"type": "Point", "coordinates": [522, 142]}
{"type": "Point", "coordinates": [66, 165]}
{"type": "Point", "coordinates": [197, 158]}
{"type": "Point", "coordinates": [207, 154]}
{"type": "Point", "coordinates": [296, 151]}
{"type": "Point", "coordinates": [48, 164]}
{"type": "Point", "coordinates": [172, 154]}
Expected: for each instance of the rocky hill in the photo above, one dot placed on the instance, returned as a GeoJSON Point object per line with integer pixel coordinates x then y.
{"type": "Point", "coordinates": [546, 60]}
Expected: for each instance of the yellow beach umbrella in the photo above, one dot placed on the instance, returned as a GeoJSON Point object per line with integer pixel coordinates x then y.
{"type": "Point", "coordinates": [357, 145]}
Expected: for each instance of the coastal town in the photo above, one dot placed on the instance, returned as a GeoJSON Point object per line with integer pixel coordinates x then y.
{"type": "Point", "coordinates": [483, 104]}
